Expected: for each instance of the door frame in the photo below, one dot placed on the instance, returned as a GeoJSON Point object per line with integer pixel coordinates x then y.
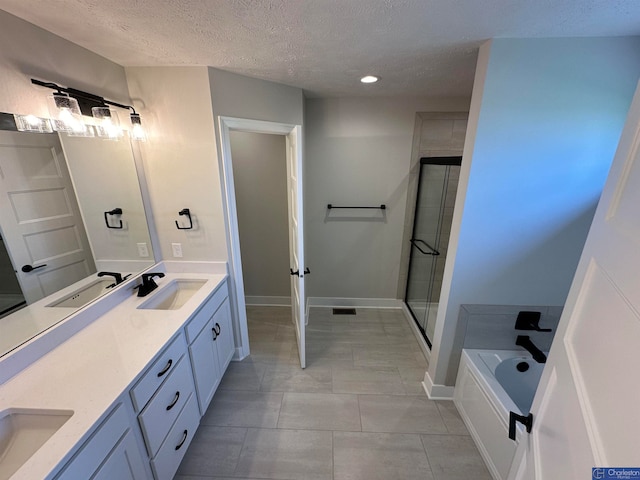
{"type": "Point", "coordinates": [236, 292]}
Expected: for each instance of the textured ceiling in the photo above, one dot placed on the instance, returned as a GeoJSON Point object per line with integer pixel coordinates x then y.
{"type": "Point", "coordinates": [417, 47]}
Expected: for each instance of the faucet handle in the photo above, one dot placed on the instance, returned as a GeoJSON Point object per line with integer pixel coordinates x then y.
{"type": "Point", "coordinates": [529, 321]}
{"type": "Point", "coordinates": [147, 277]}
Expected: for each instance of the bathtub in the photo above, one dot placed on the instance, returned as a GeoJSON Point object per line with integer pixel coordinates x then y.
{"type": "Point", "coordinates": [490, 384]}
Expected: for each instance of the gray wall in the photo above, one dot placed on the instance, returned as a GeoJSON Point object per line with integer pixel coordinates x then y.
{"type": "Point", "coordinates": [260, 181]}
{"type": "Point", "coordinates": [358, 152]}
{"type": "Point", "coordinates": [545, 121]}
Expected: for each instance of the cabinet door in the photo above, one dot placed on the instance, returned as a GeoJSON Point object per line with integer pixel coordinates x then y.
{"type": "Point", "coordinates": [204, 361]}
{"type": "Point", "coordinates": [110, 453]}
{"type": "Point", "coordinates": [224, 339]}
{"type": "Point", "coordinates": [123, 463]}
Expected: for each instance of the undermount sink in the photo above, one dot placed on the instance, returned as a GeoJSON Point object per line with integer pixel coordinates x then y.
{"type": "Point", "coordinates": [84, 295]}
{"type": "Point", "coordinates": [23, 432]}
{"type": "Point", "coordinates": [174, 295]}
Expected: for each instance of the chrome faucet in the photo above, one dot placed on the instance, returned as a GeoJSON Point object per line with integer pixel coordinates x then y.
{"type": "Point", "coordinates": [525, 342]}
{"type": "Point", "coordinates": [148, 285]}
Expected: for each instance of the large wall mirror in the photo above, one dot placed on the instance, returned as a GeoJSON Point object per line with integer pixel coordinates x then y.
{"type": "Point", "coordinates": [71, 215]}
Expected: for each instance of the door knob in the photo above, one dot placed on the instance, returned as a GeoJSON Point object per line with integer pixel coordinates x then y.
{"type": "Point", "coordinates": [29, 268]}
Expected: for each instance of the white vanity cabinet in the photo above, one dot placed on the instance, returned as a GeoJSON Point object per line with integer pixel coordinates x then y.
{"type": "Point", "coordinates": [211, 345]}
{"type": "Point", "coordinates": [165, 400]}
{"type": "Point", "coordinates": [111, 453]}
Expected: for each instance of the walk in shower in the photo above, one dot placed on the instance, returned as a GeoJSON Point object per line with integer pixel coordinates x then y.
{"type": "Point", "coordinates": [437, 187]}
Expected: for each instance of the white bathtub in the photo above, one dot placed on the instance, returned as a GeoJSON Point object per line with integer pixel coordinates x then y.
{"type": "Point", "coordinates": [488, 387]}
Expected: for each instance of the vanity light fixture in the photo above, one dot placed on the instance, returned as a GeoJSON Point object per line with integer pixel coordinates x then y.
{"type": "Point", "coordinates": [137, 131]}
{"type": "Point", "coordinates": [107, 122]}
{"type": "Point", "coordinates": [31, 123]}
{"type": "Point", "coordinates": [65, 113]}
{"type": "Point", "coordinates": [68, 105]}
{"type": "Point", "coordinates": [369, 79]}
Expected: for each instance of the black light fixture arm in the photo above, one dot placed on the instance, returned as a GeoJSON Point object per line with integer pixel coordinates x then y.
{"type": "Point", "coordinates": [85, 97]}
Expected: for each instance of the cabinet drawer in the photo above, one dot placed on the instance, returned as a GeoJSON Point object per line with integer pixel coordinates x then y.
{"type": "Point", "coordinates": [162, 410]}
{"type": "Point", "coordinates": [166, 462]}
{"type": "Point", "coordinates": [202, 316]}
{"type": "Point", "coordinates": [157, 373]}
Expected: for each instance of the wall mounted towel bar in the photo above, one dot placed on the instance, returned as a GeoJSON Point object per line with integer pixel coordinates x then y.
{"type": "Point", "coordinates": [381, 207]}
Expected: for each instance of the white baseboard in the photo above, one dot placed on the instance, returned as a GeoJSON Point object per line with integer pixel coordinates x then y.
{"type": "Point", "coordinates": [354, 302]}
{"type": "Point", "coordinates": [257, 300]}
{"type": "Point", "coordinates": [239, 354]}
{"type": "Point", "coordinates": [435, 391]}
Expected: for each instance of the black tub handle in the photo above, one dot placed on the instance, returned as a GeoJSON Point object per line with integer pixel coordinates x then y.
{"type": "Point", "coordinates": [526, 421]}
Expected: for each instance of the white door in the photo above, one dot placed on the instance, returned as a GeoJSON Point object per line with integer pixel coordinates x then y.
{"type": "Point", "coordinates": [585, 413]}
{"type": "Point", "coordinates": [296, 238]}
{"type": "Point", "coordinates": [40, 219]}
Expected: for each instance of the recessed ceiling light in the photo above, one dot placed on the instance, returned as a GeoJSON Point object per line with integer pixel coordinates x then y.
{"type": "Point", "coordinates": [369, 79]}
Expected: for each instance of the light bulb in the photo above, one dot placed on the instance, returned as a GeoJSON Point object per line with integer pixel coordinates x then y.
{"type": "Point", "coordinates": [65, 114]}
{"type": "Point", "coordinates": [137, 131]}
{"type": "Point", "coordinates": [107, 123]}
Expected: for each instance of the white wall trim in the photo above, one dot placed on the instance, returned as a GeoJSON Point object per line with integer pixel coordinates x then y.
{"type": "Point", "coordinates": [259, 300]}
{"type": "Point", "coordinates": [236, 284]}
{"type": "Point", "coordinates": [354, 302]}
{"type": "Point", "coordinates": [436, 392]}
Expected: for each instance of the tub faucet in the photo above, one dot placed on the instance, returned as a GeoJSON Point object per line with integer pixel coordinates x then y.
{"type": "Point", "coordinates": [525, 342]}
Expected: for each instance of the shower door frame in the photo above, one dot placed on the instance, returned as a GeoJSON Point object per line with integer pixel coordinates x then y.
{"type": "Point", "coordinates": [453, 160]}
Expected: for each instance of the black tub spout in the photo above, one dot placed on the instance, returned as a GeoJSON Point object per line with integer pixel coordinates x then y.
{"type": "Point", "coordinates": [525, 342]}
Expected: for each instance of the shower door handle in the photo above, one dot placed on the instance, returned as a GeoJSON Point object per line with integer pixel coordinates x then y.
{"type": "Point", "coordinates": [433, 251]}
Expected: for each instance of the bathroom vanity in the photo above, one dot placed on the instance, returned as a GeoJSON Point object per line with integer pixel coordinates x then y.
{"type": "Point", "coordinates": [123, 397]}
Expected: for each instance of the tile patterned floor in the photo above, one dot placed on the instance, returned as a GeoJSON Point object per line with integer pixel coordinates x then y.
{"type": "Point", "coordinates": [358, 411]}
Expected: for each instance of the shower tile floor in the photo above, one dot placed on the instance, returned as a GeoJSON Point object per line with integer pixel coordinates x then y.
{"type": "Point", "coordinates": [358, 411]}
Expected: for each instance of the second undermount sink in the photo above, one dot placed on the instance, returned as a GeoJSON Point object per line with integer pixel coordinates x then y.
{"type": "Point", "coordinates": [23, 432]}
{"type": "Point", "coordinates": [174, 295]}
{"type": "Point", "coordinates": [84, 295]}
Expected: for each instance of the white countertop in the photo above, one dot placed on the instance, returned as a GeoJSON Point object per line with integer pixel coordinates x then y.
{"type": "Point", "coordinates": [92, 369]}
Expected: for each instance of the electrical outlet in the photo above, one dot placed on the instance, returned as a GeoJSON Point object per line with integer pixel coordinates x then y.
{"type": "Point", "coordinates": [143, 250]}
{"type": "Point", "coordinates": [177, 249]}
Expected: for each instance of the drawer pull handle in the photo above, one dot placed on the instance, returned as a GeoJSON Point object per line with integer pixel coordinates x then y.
{"type": "Point", "coordinates": [184, 439]}
{"type": "Point", "coordinates": [217, 329]}
{"type": "Point", "coordinates": [215, 334]}
{"type": "Point", "coordinates": [175, 400]}
{"type": "Point", "coordinates": [166, 369]}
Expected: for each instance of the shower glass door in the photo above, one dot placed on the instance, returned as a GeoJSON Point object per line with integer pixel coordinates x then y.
{"type": "Point", "coordinates": [437, 187]}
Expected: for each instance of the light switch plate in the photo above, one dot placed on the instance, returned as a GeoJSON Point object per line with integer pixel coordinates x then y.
{"type": "Point", "coordinates": [143, 250]}
{"type": "Point", "coordinates": [177, 250]}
